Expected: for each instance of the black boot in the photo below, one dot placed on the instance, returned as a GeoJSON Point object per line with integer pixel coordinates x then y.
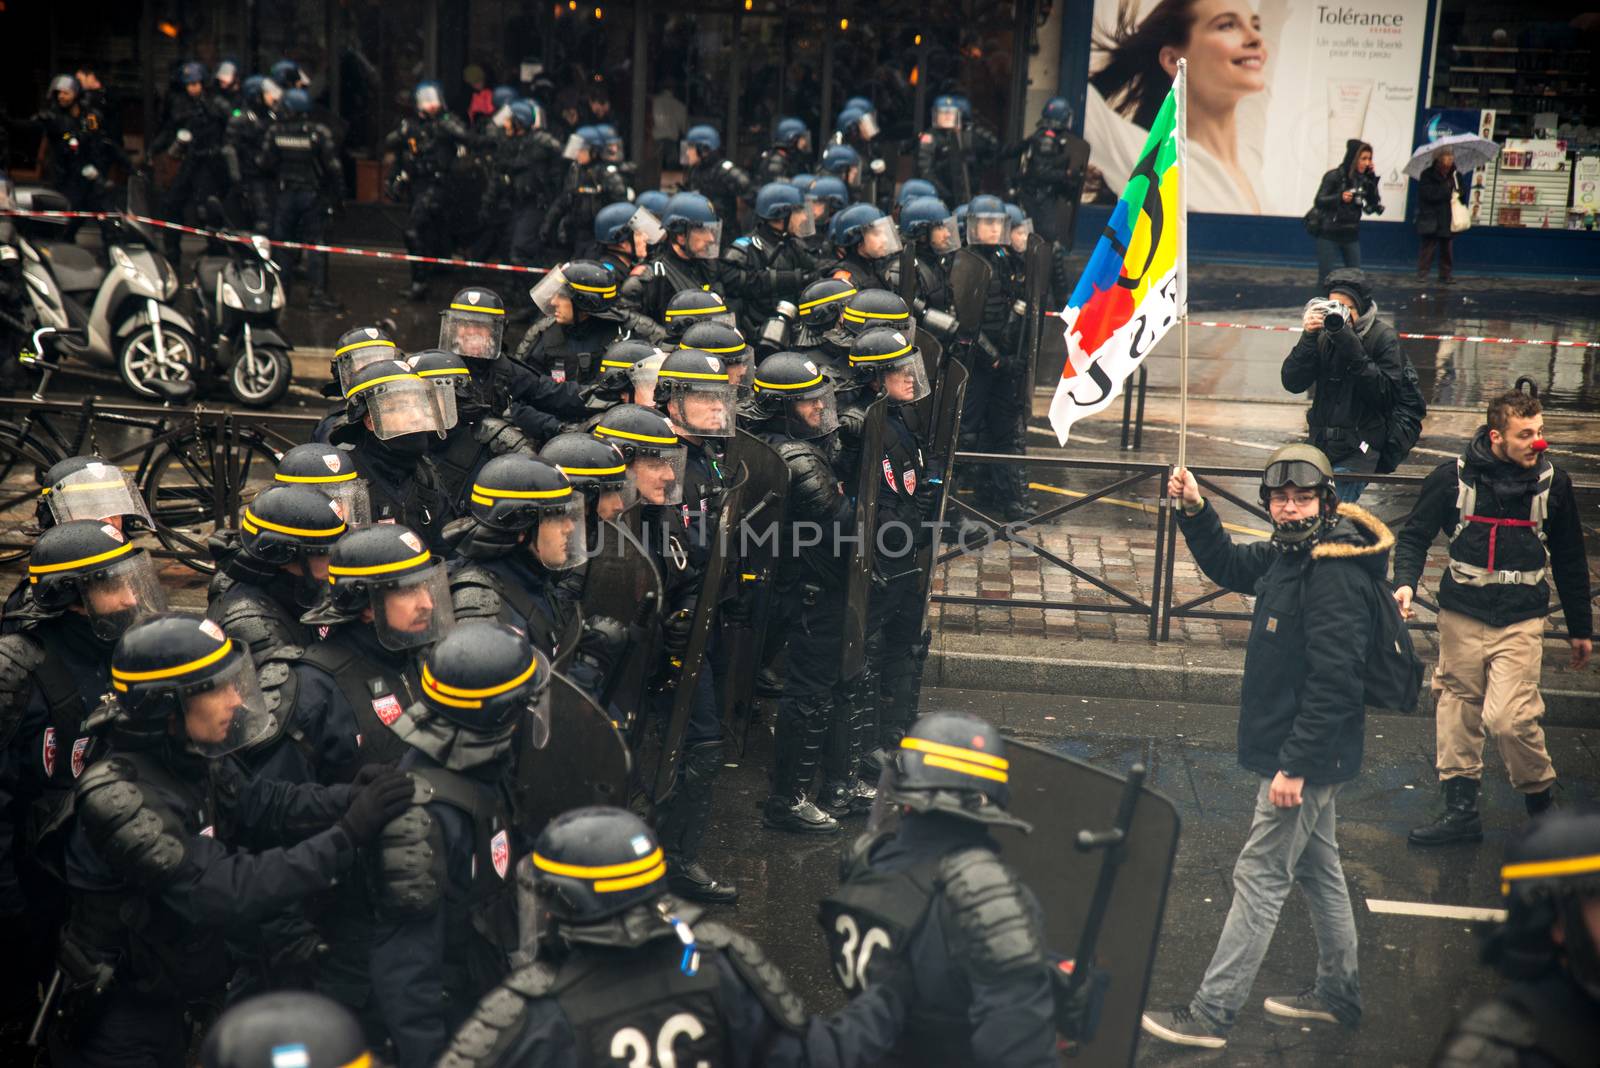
{"type": "Point", "coordinates": [691, 812]}
{"type": "Point", "coordinates": [1459, 822]}
{"type": "Point", "coordinates": [843, 793]}
{"type": "Point", "coordinates": [1542, 801]}
{"type": "Point", "coordinates": [768, 683]}
{"type": "Point", "coordinates": [799, 734]}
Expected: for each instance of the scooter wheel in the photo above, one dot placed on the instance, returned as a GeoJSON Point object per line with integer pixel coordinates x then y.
{"type": "Point", "coordinates": [137, 361]}
{"type": "Point", "coordinates": [262, 381]}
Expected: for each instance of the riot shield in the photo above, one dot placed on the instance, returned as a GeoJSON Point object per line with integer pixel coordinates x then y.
{"type": "Point", "coordinates": [766, 487]}
{"type": "Point", "coordinates": [1063, 798]}
{"type": "Point", "coordinates": [1036, 262]}
{"type": "Point", "coordinates": [687, 669]}
{"type": "Point", "coordinates": [970, 274]}
{"type": "Point", "coordinates": [858, 587]}
{"type": "Point", "coordinates": [963, 173]}
{"type": "Point", "coordinates": [932, 365]}
{"type": "Point", "coordinates": [621, 581]}
{"type": "Point", "coordinates": [908, 272]}
{"type": "Point", "coordinates": [585, 762]}
{"type": "Point", "coordinates": [1066, 205]}
{"type": "Point", "coordinates": [567, 641]}
{"type": "Point", "coordinates": [943, 436]}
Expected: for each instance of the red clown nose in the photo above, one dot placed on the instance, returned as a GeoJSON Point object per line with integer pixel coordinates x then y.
{"type": "Point", "coordinates": [1539, 445]}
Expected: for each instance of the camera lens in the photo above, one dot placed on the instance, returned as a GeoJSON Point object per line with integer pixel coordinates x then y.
{"type": "Point", "coordinates": [1333, 322]}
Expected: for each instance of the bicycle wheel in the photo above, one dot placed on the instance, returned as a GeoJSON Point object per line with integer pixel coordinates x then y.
{"type": "Point", "coordinates": [23, 461]}
{"type": "Point", "coordinates": [185, 480]}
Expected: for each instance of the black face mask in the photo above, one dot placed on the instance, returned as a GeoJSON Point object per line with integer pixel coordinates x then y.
{"type": "Point", "coordinates": [406, 446]}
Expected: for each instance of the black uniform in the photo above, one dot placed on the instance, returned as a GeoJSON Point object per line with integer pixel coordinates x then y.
{"type": "Point", "coordinates": [201, 171]}
{"type": "Point", "coordinates": [477, 438]}
{"type": "Point", "coordinates": [724, 183]}
{"type": "Point", "coordinates": [992, 418]}
{"type": "Point", "coordinates": [859, 272]}
{"type": "Point", "coordinates": [426, 149]}
{"type": "Point", "coordinates": [254, 603]}
{"type": "Point", "coordinates": [244, 138]}
{"type": "Point", "coordinates": [571, 354]}
{"type": "Point", "coordinates": [935, 898]}
{"type": "Point", "coordinates": [779, 163]}
{"type": "Point", "coordinates": [405, 488]}
{"type": "Point", "coordinates": [510, 586]}
{"type": "Point", "coordinates": [588, 188]}
{"type": "Point", "coordinates": [954, 160]}
{"type": "Point", "coordinates": [762, 268]}
{"type": "Point", "coordinates": [525, 173]}
{"type": "Point", "coordinates": [665, 273]}
{"type": "Point", "coordinates": [79, 157]}
{"type": "Point", "coordinates": [300, 156]}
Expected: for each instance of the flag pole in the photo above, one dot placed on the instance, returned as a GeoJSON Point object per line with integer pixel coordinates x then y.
{"type": "Point", "coordinates": [1183, 261]}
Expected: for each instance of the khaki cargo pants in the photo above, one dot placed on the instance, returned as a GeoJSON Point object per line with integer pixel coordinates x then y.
{"type": "Point", "coordinates": [1487, 681]}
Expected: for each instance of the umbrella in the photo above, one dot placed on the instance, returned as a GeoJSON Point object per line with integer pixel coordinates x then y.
{"type": "Point", "coordinates": [1471, 152]}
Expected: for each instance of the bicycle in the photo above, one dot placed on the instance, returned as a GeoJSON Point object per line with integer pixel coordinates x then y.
{"type": "Point", "coordinates": [194, 469]}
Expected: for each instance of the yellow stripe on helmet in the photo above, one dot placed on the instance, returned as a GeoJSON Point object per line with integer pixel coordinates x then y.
{"type": "Point", "coordinates": [98, 558]}
{"type": "Point", "coordinates": [363, 345]}
{"type": "Point", "coordinates": [120, 678]}
{"type": "Point", "coordinates": [380, 381]}
{"type": "Point", "coordinates": [954, 752]}
{"type": "Point", "coordinates": [843, 295]}
{"type": "Point", "coordinates": [475, 308]}
{"type": "Point", "coordinates": [817, 381]}
{"type": "Point", "coordinates": [379, 569]}
{"type": "Point", "coordinates": [250, 520]}
{"type": "Point", "coordinates": [318, 479]}
{"type": "Point", "coordinates": [885, 356]}
{"type": "Point", "coordinates": [629, 435]}
{"type": "Point", "coordinates": [610, 877]}
{"type": "Point", "coordinates": [457, 697]}
{"type": "Point", "coordinates": [1545, 869]}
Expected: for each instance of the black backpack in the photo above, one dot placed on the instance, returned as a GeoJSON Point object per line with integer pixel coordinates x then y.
{"type": "Point", "coordinates": [1392, 680]}
{"type": "Point", "coordinates": [1405, 420]}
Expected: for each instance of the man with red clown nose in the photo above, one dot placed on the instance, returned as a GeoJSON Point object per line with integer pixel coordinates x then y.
{"type": "Point", "coordinates": [1512, 524]}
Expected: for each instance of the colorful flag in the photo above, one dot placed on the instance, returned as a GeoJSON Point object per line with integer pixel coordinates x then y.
{"type": "Point", "coordinates": [1133, 288]}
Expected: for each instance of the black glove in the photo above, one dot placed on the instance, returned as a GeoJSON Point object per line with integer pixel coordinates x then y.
{"type": "Point", "coordinates": [675, 630]}
{"type": "Point", "coordinates": [375, 804]}
{"type": "Point", "coordinates": [930, 491]}
{"type": "Point", "coordinates": [367, 772]}
{"type": "Point", "coordinates": [739, 610]}
{"type": "Point", "coordinates": [602, 642]}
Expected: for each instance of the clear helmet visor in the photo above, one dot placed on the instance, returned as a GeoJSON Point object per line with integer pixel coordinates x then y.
{"type": "Point", "coordinates": [868, 126]}
{"type": "Point", "coordinates": [646, 225]}
{"type": "Point", "coordinates": [880, 239]}
{"type": "Point", "coordinates": [98, 491]}
{"type": "Point", "coordinates": [471, 334]}
{"type": "Point", "coordinates": [536, 721]}
{"type": "Point", "coordinates": [408, 405]}
{"type": "Point", "coordinates": [704, 409]}
{"type": "Point", "coordinates": [444, 396]}
{"type": "Point", "coordinates": [557, 539]}
{"type": "Point", "coordinates": [117, 596]}
{"type": "Point", "coordinates": [502, 117]}
{"type": "Point", "coordinates": [351, 500]}
{"type": "Point", "coordinates": [1020, 234]}
{"type": "Point", "coordinates": [227, 712]}
{"type": "Point", "coordinates": [550, 287]}
{"type": "Point", "coordinates": [351, 362]}
{"type": "Point", "coordinates": [428, 97]}
{"type": "Point", "coordinates": [612, 498]}
{"type": "Point", "coordinates": [574, 145]}
{"type": "Point", "coordinates": [644, 373]}
{"type": "Point", "coordinates": [415, 610]}
{"type": "Point", "coordinates": [945, 237]}
{"type": "Point", "coordinates": [613, 152]}
{"type": "Point", "coordinates": [704, 241]}
{"type": "Point", "coordinates": [659, 476]}
{"type": "Point", "coordinates": [808, 418]}
{"type": "Point", "coordinates": [903, 381]}
{"type": "Point", "coordinates": [988, 229]}
{"type": "Point", "coordinates": [802, 222]}
{"type": "Point", "coordinates": [688, 155]}
{"type": "Point", "coordinates": [947, 118]}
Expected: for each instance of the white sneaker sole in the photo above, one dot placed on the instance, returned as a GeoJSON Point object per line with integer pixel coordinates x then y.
{"type": "Point", "coordinates": [1289, 1012]}
{"type": "Point", "coordinates": [1181, 1038]}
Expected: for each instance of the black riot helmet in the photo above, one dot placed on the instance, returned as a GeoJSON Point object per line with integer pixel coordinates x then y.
{"type": "Point", "coordinates": [286, 1027]}
{"type": "Point", "coordinates": [331, 471]}
{"type": "Point", "coordinates": [656, 455]}
{"type": "Point", "coordinates": [183, 669]}
{"type": "Point", "coordinates": [695, 391]}
{"type": "Point", "coordinates": [87, 487]}
{"type": "Point", "coordinates": [357, 348]}
{"type": "Point", "coordinates": [1552, 866]}
{"type": "Point", "coordinates": [619, 366]}
{"type": "Point", "coordinates": [450, 375]}
{"type": "Point", "coordinates": [590, 286]}
{"type": "Point", "coordinates": [288, 523]}
{"type": "Point", "coordinates": [954, 763]}
{"type": "Point", "coordinates": [726, 343]}
{"type": "Point", "coordinates": [791, 387]}
{"type": "Point", "coordinates": [399, 402]}
{"type": "Point", "coordinates": [597, 469]}
{"type": "Point", "coordinates": [687, 307]}
{"type": "Point", "coordinates": [591, 864]}
{"type": "Point", "coordinates": [890, 361]}
{"type": "Point", "coordinates": [96, 566]}
{"type": "Point", "coordinates": [876, 307]}
{"type": "Point", "coordinates": [822, 302]}
{"type": "Point", "coordinates": [479, 684]}
{"type": "Point", "coordinates": [474, 324]}
{"type": "Point", "coordinates": [522, 493]}
{"type": "Point", "coordinates": [387, 568]}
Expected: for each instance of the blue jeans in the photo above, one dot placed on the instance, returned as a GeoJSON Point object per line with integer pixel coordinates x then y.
{"type": "Point", "coordinates": [1286, 845]}
{"type": "Point", "coordinates": [1347, 490]}
{"type": "Point", "coordinates": [1330, 252]}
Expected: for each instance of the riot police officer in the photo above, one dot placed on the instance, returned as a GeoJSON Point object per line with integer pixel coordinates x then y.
{"type": "Point", "coordinates": [302, 159]}
{"type": "Point", "coordinates": [624, 971]}
{"type": "Point", "coordinates": [331, 472]}
{"type": "Point", "coordinates": [857, 129]}
{"type": "Point", "coordinates": [770, 263]}
{"type": "Point", "coordinates": [948, 154]}
{"type": "Point", "coordinates": [1051, 165]}
{"type": "Point", "coordinates": [582, 318]}
{"type": "Point", "coordinates": [863, 241]}
{"type": "Point", "coordinates": [719, 180]}
{"type": "Point", "coordinates": [931, 229]}
{"type": "Point", "coordinates": [797, 414]}
{"type": "Point", "coordinates": [688, 257]}
{"type": "Point", "coordinates": [789, 154]}
{"type": "Point", "coordinates": [151, 877]}
{"type": "Point", "coordinates": [78, 154]}
{"type": "Point", "coordinates": [813, 326]}
{"type": "Point", "coordinates": [627, 375]}
{"type": "Point", "coordinates": [597, 470]}
{"type": "Point", "coordinates": [442, 873]}
{"type": "Point", "coordinates": [727, 345]}
{"type": "Point", "coordinates": [525, 533]}
{"type": "Point", "coordinates": [243, 139]}
{"type": "Point", "coordinates": [591, 183]}
{"type": "Point", "coordinates": [687, 307]}
{"type": "Point", "coordinates": [844, 163]}
{"type": "Point", "coordinates": [1547, 946]}
{"type": "Point", "coordinates": [273, 567]}
{"type": "Point", "coordinates": [992, 415]}
{"type": "Point", "coordinates": [192, 135]}
{"type": "Point", "coordinates": [425, 148]}
{"type": "Point", "coordinates": [476, 436]}
{"type": "Point", "coordinates": [391, 422]}
{"type": "Point", "coordinates": [87, 582]}
{"type": "Point", "coordinates": [933, 895]}
{"type": "Point", "coordinates": [869, 309]}
{"type": "Point", "coordinates": [316, 1031]}
{"type": "Point", "coordinates": [525, 172]}
{"type": "Point", "coordinates": [534, 404]}
{"type": "Point", "coordinates": [623, 235]}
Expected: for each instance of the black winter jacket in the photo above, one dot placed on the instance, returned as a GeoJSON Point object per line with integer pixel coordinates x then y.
{"type": "Point", "coordinates": [1302, 711]}
{"type": "Point", "coordinates": [1434, 191]}
{"type": "Point", "coordinates": [1356, 374]}
{"type": "Point", "coordinates": [1341, 220]}
{"type": "Point", "coordinates": [1504, 491]}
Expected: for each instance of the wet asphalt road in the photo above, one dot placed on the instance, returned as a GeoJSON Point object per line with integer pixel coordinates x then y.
{"type": "Point", "coordinates": [1416, 972]}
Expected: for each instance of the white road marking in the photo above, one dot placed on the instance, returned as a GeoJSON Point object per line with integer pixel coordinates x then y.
{"type": "Point", "coordinates": [1438, 912]}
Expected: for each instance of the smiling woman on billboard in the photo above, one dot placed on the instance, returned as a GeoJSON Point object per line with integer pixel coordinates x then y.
{"type": "Point", "coordinates": [1227, 56]}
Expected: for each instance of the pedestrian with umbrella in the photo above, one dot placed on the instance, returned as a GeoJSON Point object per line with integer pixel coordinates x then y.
{"type": "Point", "coordinates": [1434, 165]}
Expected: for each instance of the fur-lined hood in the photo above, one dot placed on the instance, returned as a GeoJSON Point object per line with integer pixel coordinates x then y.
{"type": "Point", "coordinates": [1356, 535]}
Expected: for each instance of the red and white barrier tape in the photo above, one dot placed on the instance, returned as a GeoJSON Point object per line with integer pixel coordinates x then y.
{"type": "Point", "coordinates": [342, 250]}
{"type": "Point", "coordinates": [1404, 337]}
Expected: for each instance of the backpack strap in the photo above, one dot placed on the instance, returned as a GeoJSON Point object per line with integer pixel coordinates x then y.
{"type": "Point", "coordinates": [1466, 498]}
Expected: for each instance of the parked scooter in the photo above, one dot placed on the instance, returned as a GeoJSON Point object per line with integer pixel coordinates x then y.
{"type": "Point", "coordinates": [238, 295]}
{"type": "Point", "coordinates": [119, 315]}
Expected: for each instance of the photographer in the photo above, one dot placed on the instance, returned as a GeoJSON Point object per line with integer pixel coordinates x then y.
{"type": "Point", "coordinates": [1347, 192]}
{"type": "Point", "coordinates": [1351, 362]}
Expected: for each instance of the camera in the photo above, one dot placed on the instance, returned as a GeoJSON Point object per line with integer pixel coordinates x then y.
{"type": "Point", "coordinates": [1333, 314]}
